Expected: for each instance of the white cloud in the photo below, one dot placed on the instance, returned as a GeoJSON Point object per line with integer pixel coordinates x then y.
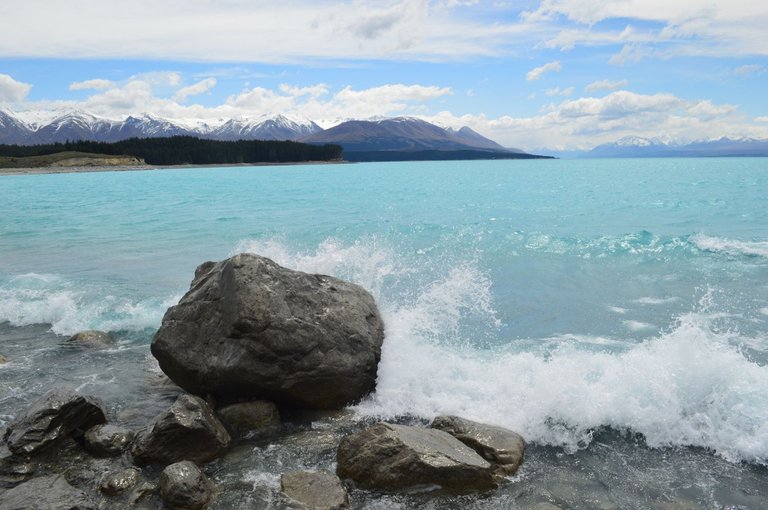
{"type": "Point", "coordinates": [583, 123]}
{"type": "Point", "coordinates": [247, 31]}
{"type": "Point", "coordinates": [749, 70]}
{"type": "Point", "coordinates": [630, 53]}
{"type": "Point", "coordinates": [557, 91]}
{"type": "Point", "coordinates": [536, 73]}
{"type": "Point", "coordinates": [95, 84]}
{"type": "Point", "coordinates": [606, 85]}
{"type": "Point", "coordinates": [761, 119]}
{"type": "Point", "coordinates": [314, 91]}
{"type": "Point", "coordinates": [683, 27]}
{"type": "Point", "coordinates": [12, 91]}
{"type": "Point", "coordinates": [158, 78]}
{"type": "Point", "coordinates": [195, 89]}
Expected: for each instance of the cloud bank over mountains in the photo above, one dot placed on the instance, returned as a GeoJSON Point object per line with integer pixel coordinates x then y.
{"type": "Point", "coordinates": [530, 74]}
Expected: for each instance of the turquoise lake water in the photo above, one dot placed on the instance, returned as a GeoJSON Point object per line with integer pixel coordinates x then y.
{"type": "Point", "coordinates": [554, 297]}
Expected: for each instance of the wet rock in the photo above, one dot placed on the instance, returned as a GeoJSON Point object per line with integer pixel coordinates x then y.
{"type": "Point", "coordinates": [389, 456]}
{"type": "Point", "coordinates": [499, 446]}
{"type": "Point", "coordinates": [107, 440]}
{"type": "Point", "coordinates": [14, 469]}
{"type": "Point", "coordinates": [46, 493]}
{"type": "Point", "coordinates": [143, 495]}
{"type": "Point", "coordinates": [116, 483]}
{"type": "Point", "coordinates": [255, 418]}
{"type": "Point", "coordinates": [92, 338]}
{"type": "Point", "coordinates": [187, 430]}
{"type": "Point", "coordinates": [52, 418]}
{"type": "Point", "coordinates": [314, 490]}
{"type": "Point", "coordinates": [249, 328]}
{"type": "Point", "coordinates": [3, 359]}
{"type": "Point", "coordinates": [184, 487]}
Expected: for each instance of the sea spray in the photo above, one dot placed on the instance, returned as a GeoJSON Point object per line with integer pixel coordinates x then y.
{"type": "Point", "coordinates": [689, 385]}
{"type": "Point", "coordinates": [68, 307]}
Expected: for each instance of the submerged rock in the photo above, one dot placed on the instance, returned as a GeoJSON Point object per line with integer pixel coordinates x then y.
{"type": "Point", "coordinates": [51, 418]}
{"type": "Point", "coordinates": [314, 490]}
{"type": "Point", "coordinates": [249, 328]}
{"type": "Point", "coordinates": [187, 430]}
{"type": "Point", "coordinates": [184, 487]}
{"type": "Point", "coordinates": [388, 456]}
{"type": "Point", "coordinates": [116, 483]}
{"type": "Point", "coordinates": [46, 493]}
{"type": "Point", "coordinates": [3, 359]}
{"type": "Point", "coordinates": [107, 440]}
{"type": "Point", "coordinates": [501, 447]}
{"type": "Point", "coordinates": [91, 338]}
{"type": "Point", "coordinates": [259, 417]}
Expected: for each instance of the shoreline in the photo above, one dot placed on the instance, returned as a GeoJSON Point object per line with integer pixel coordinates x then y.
{"type": "Point", "coordinates": [130, 168]}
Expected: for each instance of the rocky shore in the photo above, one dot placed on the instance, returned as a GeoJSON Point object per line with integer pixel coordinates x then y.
{"type": "Point", "coordinates": [249, 342]}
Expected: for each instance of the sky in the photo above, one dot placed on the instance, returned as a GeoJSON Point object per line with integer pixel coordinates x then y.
{"type": "Point", "coordinates": [552, 74]}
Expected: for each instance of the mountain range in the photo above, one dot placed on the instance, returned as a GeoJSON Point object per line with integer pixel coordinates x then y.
{"type": "Point", "coordinates": [402, 134]}
{"type": "Point", "coordinates": [638, 147]}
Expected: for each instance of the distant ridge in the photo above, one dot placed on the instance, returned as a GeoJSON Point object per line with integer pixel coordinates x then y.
{"type": "Point", "coordinates": [401, 134]}
{"type": "Point", "coordinates": [638, 147]}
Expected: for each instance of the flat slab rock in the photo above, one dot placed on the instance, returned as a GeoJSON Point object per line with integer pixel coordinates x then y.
{"type": "Point", "coordinates": [51, 418]}
{"type": "Point", "coordinates": [249, 328]}
{"type": "Point", "coordinates": [389, 456]}
{"type": "Point", "coordinates": [314, 489]}
{"type": "Point", "coordinates": [499, 446]}
{"type": "Point", "coordinates": [46, 493]}
{"type": "Point", "coordinates": [188, 430]}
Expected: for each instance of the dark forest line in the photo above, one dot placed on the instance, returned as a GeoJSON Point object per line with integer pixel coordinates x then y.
{"type": "Point", "coordinates": [189, 150]}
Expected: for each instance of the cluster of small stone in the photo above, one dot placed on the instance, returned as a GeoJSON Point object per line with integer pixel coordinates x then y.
{"type": "Point", "coordinates": [300, 340]}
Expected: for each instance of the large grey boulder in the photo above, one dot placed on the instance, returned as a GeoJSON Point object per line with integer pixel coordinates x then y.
{"type": "Point", "coordinates": [184, 487]}
{"type": "Point", "coordinates": [187, 430]}
{"type": "Point", "coordinates": [499, 446]}
{"type": "Point", "coordinates": [51, 418]}
{"type": "Point", "coordinates": [314, 490]}
{"type": "Point", "coordinates": [389, 456]}
{"type": "Point", "coordinates": [249, 328]}
{"type": "Point", "coordinates": [46, 493]}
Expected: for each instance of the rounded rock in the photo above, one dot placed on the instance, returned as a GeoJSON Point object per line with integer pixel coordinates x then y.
{"type": "Point", "coordinates": [107, 440]}
{"type": "Point", "coordinates": [92, 338]}
{"type": "Point", "coordinates": [115, 483]}
{"type": "Point", "coordinates": [184, 487]}
{"type": "Point", "coordinates": [259, 417]}
{"type": "Point", "coordinates": [189, 430]}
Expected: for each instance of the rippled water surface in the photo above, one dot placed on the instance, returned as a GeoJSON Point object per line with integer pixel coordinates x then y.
{"type": "Point", "coordinates": [614, 312]}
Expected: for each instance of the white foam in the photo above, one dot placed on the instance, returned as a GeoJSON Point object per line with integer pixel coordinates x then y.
{"type": "Point", "coordinates": [49, 299]}
{"type": "Point", "coordinates": [686, 387]}
{"type": "Point", "coordinates": [618, 309]}
{"type": "Point", "coordinates": [689, 385]}
{"type": "Point", "coordinates": [764, 311]}
{"type": "Point", "coordinates": [655, 301]}
{"type": "Point", "coordinates": [638, 326]}
{"type": "Point", "coordinates": [730, 247]}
